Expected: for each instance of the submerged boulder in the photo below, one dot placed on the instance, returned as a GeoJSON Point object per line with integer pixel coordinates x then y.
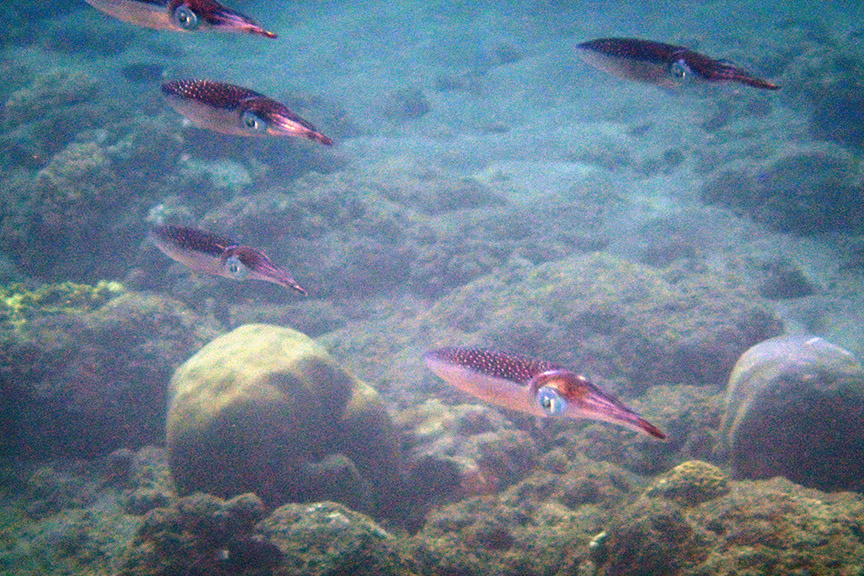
{"type": "Point", "coordinates": [325, 538]}
{"type": "Point", "coordinates": [807, 191]}
{"type": "Point", "coordinates": [85, 368]}
{"type": "Point", "coordinates": [265, 409]}
{"type": "Point", "coordinates": [691, 483]}
{"type": "Point", "coordinates": [795, 407]}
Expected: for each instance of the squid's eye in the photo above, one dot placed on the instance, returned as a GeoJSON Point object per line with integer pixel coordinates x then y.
{"type": "Point", "coordinates": [186, 17]}
{"type": "Point", "coordinates": [252, 122]}
{"type": "Point", "coordinates": [550, 401]}
{"type": "Point", "coordinates": [680, 70]}
{"type": "Point", "coordinates": [236, 268]}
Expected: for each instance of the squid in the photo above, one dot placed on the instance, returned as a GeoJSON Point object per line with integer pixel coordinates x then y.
{"type": "Point", "coordinates": [531, 386]}
{"type": "Point", "coordinates": [210, 253]}
{"type": "Point", "coordinates": [180, 15]}
{"type": "Point", "coordinates": [661, 64]}
{"type": "Point", "coordinates": [235, 110]}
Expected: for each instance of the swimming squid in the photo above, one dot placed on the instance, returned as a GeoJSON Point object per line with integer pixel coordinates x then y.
{"type": "Point", "coordinates": [180, 15]}
{"type": "Point", "coordinates": [210, 253]}
{"type": "Point", "coordinates": [231, 109]}
{"type": "Point", "coordinates": [531, 386]}
{"type": "Point", "coordinates": [662, 64]}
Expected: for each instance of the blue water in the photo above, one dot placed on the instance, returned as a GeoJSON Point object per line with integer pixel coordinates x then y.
{"type": "Point", "coordinates": [487, 187]}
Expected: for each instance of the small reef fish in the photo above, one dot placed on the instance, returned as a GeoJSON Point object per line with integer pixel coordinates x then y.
{"type": "Point", "coordinates": [180, 15]}
{"type": "Point", "coordinates": [661, 64]}
{"type": "Point", "coordinates": [531, 386]}
{"type": "Point", "coordinates": [231, 109]}
{"type": "Point", "coordinates": [210, 253]}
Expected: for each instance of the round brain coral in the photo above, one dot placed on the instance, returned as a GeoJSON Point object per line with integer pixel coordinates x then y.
{"type": "Point", "coordinates": [265, 409]}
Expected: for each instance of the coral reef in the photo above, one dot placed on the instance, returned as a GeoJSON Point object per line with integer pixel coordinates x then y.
{"type": "Point", "coordinates": [200, 535]}
{"type": "Point", "coordinates": [398, 226]}
{"type": "Point", "coordinates": [49, 93]}
{"type": "Point", "coordinates": [326, 539]}
{"type": "Point", "coordinates": [539, 526]}
{"type": "Point", "coordinates": [265, 409]}
{"type": "Point", "coordinates": [690, 416]}
{"type": "Point", "coordinates": [147, 478]}
{"type": "Point", "coordinates": [570, 515]}
{"type": "Point", "coordinates": [19, 304]}
{"type": "Point", "coordinates": [605, 317]}
{"type": "Point", "coordinates": [85, 368]}
{"type": "Point", "coordinates": [795, 407]}
{"type": "Point", "coordinates": [43, 117]}
{"type": "Point", "coordinates": [454, 452]}
{"type": "Point", "coordinates": [758, 527]}
{"type": "Point", "coordinates": [690, 483]}
{"type": "Point", "coordinates": [66, 516]}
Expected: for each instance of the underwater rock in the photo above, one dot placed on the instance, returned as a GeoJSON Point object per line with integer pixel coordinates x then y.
{"type": "Point", "coordinates": [775, 526]}
{"type": "Point", "coordinates": [757, 527]}
{"type": "Point", "coordinates": [200, 534]}
{"type": "Point", "coordinates": [312, 317]}
{"type": "Point", "coordinates": [405, 104]}
{"type": "Point", "coordinates": [85, 368]}
{"type": "Point", "coordinates": [75, 210]}
{"type": "Point", "coordinates": [691, 483]}
{"type": "Point", "coordinates": [48, 94]}
{"type": "Point", "coordinates": [81, 176]}
{"type": "Point", "coordinates": [403, 226]}
{"type": "Point", "coordinates": [91, 38]}
{"type": "Point", "coordinates": [143, 72]}
{"type": "Point", "coordinates": [690, 417]}
{"type": "Point", "coordinates": [76, 190]}
{"type": "Point", "coordinates": [453, 452]}
{"type": "Point", "coordinates": [784, 280]}
{"type": "Point", "coordinates": [47, 491]}
{"type": "Point", "coordinates": [428, 190]}
{"type": "Point", "coordinates": [609, 318]}
{"type": "Point", "coordinates": [836, 114]}
{"type": "Point", "coordinates": [653, 536]}
{"type": "Point", "coordinates": [66, 515]}
{"type": "Point", "coordinates": [827, 75]}
{"type": "Point", "coordinates": [325, 539]}
{"type": "Point", "coordinates": [537, 526]}
{"type": "Point", "coordinates": [795, 407]}
{"type": "Point", "coordinates": [148, 480]}
{"type": "Point", "coordinates": [48, 113]}
{"type": "Point", "coordinates": [265, 409]}
{"type": "Point", "coordinates": [809, 190]}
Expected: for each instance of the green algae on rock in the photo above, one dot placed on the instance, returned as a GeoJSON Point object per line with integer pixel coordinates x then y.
{"type": "Point", "coordinates": [691, 483]}
{"type": "Point", "coordinates": [541, 526]}
{"type": "Point", "coordinates": [17, 302]}
{"type": "Point", "coordinates": [85, 368]}
{"type": "Point", "coordinates": [758, 527]}
{"type": "Point", "coordinates": [265, 409]}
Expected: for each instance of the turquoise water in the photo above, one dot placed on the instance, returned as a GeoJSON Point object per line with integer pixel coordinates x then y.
{"type": "Point", "coordinates": [488, 186]}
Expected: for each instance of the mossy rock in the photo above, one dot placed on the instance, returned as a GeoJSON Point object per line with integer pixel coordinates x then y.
{"type": "Point", "coordinates": [86, 368]}
{"type": "Point", "coordinates": [18, 303]}
{"type": "Point", "coordinates": [265, 409]}
{"type": "Point", "coordinates": [325, 539]}
{"type": "Point", "coordinates": [691, 483]}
